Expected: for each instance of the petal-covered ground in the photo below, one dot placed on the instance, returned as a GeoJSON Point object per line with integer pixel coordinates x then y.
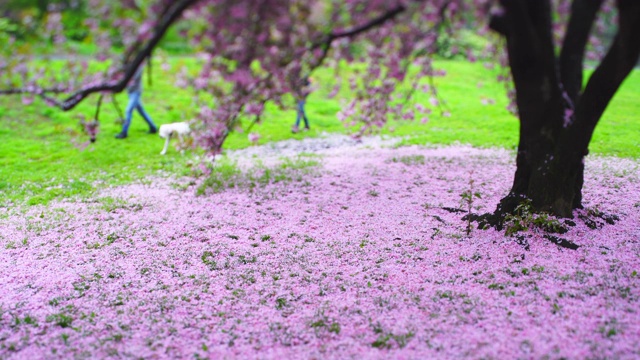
{"type": "Point", "coordinates": [354, 257]}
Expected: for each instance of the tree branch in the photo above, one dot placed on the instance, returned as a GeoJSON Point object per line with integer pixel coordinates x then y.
{"type": "Point", "coordinates": [172, 14]}
{"type": "Point", "coordinates": [609, 75]}
{"type": "Point", "coordinates": [367, 26]}
{"type": "Point", "coordinates": [583, 15]}
{"type": "Point", "coordinates": [527, 28]}
{"type": "Point", "coordinates": [33, 90]}
{"type": "Point", "coordinates": [329, 39]}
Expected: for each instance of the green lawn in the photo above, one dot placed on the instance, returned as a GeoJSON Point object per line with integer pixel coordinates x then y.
{"type": "Point", "coordinates": [39, 160]}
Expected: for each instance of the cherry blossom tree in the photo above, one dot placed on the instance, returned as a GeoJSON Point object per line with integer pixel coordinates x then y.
{"type": "Point", "coordinates": [255, 51]}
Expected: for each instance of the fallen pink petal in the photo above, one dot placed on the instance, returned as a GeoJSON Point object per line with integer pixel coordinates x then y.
{"type": "Point", "coordinates": [356, 179]}
{"type": "Point", "coordinates": [357, 257]}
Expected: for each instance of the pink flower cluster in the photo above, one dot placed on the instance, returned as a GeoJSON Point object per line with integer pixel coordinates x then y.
{"type": "Point", "coordinates": [357, 260]}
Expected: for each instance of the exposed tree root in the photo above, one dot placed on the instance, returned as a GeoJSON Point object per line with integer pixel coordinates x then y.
{"type": "Point", "coordinates": [507, 206]}
{"type": "Point", "coordinates": [562, 242]}
{"type": "Point", "coordinates": [487, 220]}
{"type": "Point", "coordinates": [595, 219]}
{"type": "Point", "coordinates": [522, 218]}
{"type": "Point", "coordinates": [453, 210]}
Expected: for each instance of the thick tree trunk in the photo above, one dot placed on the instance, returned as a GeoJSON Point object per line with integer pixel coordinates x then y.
{"type": "Point", "coordinates": [544, 173]}
{"type": "Point", "coordinates": [556, 175]}
{"type": "Point", "coordinates": [549, 172]}
{"type": "Point", "coordinates": [557, 120]}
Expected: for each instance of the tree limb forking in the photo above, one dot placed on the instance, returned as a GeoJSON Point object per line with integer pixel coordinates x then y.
{"type": "Point", "coordinates": [583, 14]}
{"type": "Point", "coordinates": [609, 75]}
{"type": "Point", "coordinates": [172, 13]}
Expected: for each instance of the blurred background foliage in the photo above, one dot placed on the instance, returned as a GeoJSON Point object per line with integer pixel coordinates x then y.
{"type": "Point", "coordinates": [21, 19]}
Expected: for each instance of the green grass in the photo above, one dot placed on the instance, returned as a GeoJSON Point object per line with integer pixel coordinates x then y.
{"type": "Point", "coordinates": [226, 174]}
{"type": "Point", "coordinates": [39, 161]}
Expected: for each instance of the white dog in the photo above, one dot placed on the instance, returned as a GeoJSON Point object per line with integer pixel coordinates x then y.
{"type": "Point", "coordinates": [167, 130]}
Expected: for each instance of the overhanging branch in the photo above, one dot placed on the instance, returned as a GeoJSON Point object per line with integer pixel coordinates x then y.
{"type": "Point", "coordinates": [18, 91]}
{"type": "Point", "coordinates": [325, 43]}
{"type": "Point", "coordinates": [389, 15]}
{"type": "Point", "coordinates": [171, 15]}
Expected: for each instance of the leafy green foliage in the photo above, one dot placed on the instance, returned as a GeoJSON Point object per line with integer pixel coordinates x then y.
{"type": "Point", "coordinates": [525, 218]}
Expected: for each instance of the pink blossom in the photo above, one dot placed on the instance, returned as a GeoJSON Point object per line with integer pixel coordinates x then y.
{"type": "Point", "coordinates": [568, 117]}
{"type": "Point", "coordinates": [254, 138]}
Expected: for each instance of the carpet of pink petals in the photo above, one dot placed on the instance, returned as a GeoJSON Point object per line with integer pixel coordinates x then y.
{"type": "Point", "coordinates": [357, 260]}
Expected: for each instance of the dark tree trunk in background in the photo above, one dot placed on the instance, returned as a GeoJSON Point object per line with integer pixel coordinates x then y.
{"type": "Point", "coordinates": [558, 116]}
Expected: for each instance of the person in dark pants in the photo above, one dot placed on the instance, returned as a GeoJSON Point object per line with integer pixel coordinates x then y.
{"type": "Point", "coordinates": [135, 92]}
{"type": "Point", "coordinates": [301, 94]}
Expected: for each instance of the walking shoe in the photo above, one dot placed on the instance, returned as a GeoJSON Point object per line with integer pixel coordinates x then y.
{"type": "Point", "coordinates": [121, 135]}
{"type": "Point", "coordinates": [295, 129]}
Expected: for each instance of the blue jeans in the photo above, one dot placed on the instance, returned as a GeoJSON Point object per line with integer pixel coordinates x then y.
{"type": "Point", "coordinates": [135, 103]}
{"type": "Point", "coordinates": [301, 115]}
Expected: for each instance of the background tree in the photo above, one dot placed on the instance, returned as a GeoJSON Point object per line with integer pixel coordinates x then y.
{"type": "Point", "coordinates": [248, 48]}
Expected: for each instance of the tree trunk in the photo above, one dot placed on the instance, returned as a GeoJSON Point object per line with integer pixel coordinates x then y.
{"type": "Point", "coordinates": [557, 120]}
{"type": "Point", "coordinates": [555, 173]}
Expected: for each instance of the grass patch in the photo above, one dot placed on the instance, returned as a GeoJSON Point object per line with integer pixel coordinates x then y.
{"type": "Point", "coordinates": [41, 160]}
{"type": "Point", "coordinates": [226, 174]}
{"type": "Point", "coordinates": [408, 160]}
{"type": "Point", "coordinates": [110, 204]}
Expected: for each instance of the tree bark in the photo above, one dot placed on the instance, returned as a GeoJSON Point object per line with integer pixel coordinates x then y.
{"type": "Point", "coordinates": [557, 118]}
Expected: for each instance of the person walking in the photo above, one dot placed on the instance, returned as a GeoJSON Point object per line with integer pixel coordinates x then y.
{"type": "Point", "coordinates": [134, 91]}
{"type": "Point", "coordinates": [302, 92]}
